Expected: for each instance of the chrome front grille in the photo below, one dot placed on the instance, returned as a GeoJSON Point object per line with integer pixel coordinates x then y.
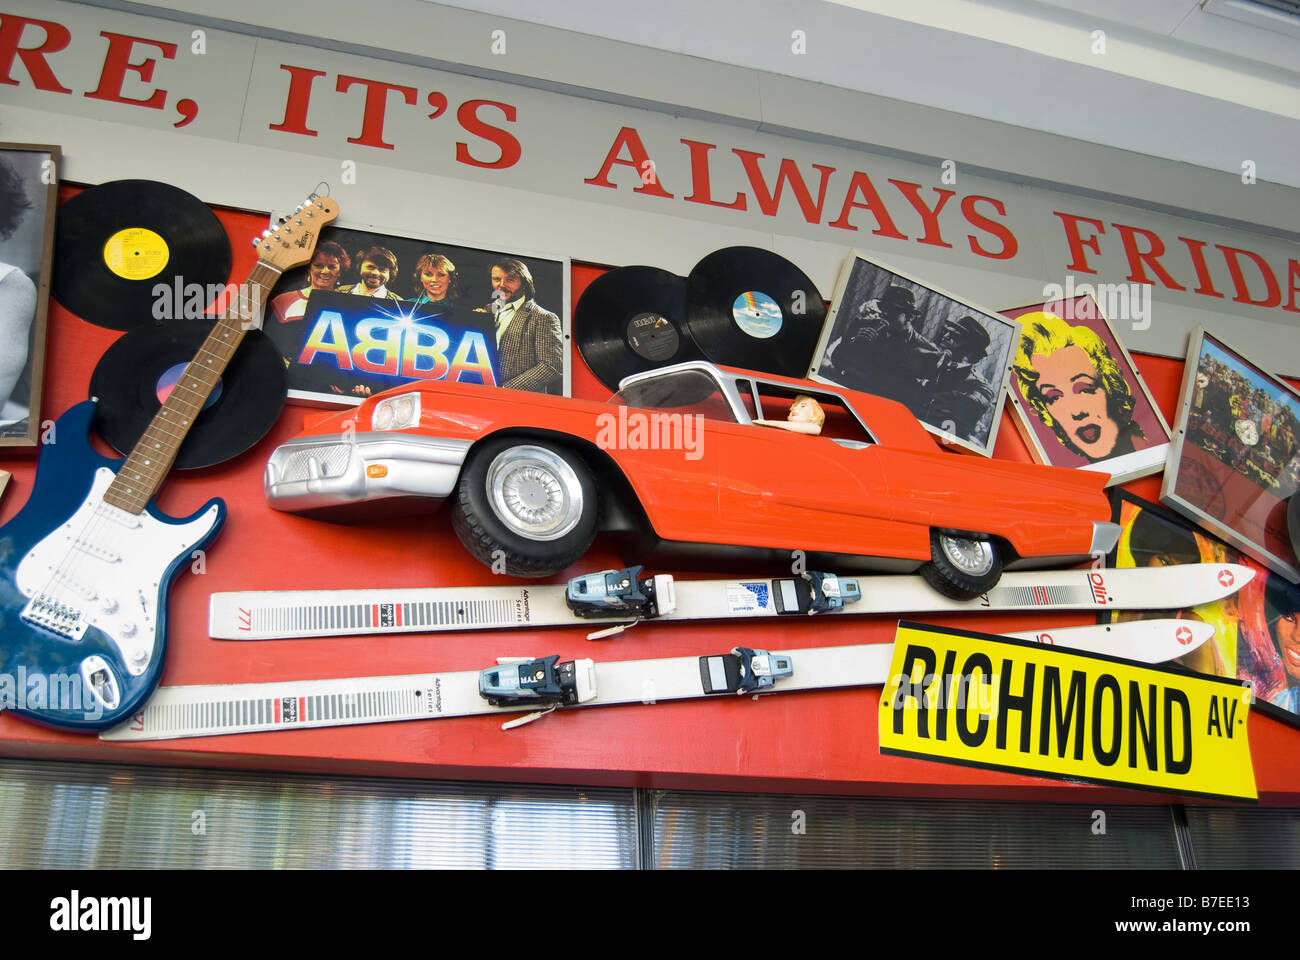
{"type": "Point", "coordinates": [331, 460]}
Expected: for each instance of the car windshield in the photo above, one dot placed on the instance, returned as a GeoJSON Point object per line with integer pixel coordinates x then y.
{"type": "Point", "coordinates": [689, 391]}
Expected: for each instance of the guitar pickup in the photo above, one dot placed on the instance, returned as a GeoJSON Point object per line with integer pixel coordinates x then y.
{"type": "Point", "coordinates": [79, 587]}
{"type": "Point", "coordinates": [117, 515]}
{"type": "Point", "coordinates": [96, 551]}
{"type": "Point", "coordinates": [55, 616]}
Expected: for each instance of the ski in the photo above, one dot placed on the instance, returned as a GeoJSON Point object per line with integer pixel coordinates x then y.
{"type": "Point", "coordinates": [525, 685]}
{"type": "Point", "coordinates": [275, 614]}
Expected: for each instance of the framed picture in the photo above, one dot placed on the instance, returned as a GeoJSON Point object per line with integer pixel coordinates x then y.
{"type": "Point", "coordinates": [372, 311]}
{"type": "Point", "coordinates": [1256, 630]}
{"type": "Point", "coordinates": [1236, 452]}
{"type": "Point", "coordinates": [1077, 397]}
{"type": "Point", "coordinates": [29, 186]}
{"type": "Point", "coordinates": [942, 357]}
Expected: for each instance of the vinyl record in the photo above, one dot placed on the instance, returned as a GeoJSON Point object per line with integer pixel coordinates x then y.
{"type": "Point", "coordinates": [114, 243]}
{"type": "Point", "coordinates": [748, 307]}
{"type": "Point", "coordinates": [136, 374]}
{"type": "Point", "coordinates": [632, 319]}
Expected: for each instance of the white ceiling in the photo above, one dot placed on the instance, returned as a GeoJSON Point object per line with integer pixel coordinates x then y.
{"type": "Point", "coordinates": [1197, 81]}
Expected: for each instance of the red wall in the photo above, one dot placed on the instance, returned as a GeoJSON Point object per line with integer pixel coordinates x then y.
{"type": "Point", "coordinates": [818, 742]}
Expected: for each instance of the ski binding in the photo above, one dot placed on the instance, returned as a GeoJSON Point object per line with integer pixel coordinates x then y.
{"type": "Point", "coordinates": [621, 593]}
{"type": "Point", "coordinates": [760, 670]}
{"type": "Point", "coordinates": [826, 591]}
{"type": "Point", "coordinates": [544, 682]}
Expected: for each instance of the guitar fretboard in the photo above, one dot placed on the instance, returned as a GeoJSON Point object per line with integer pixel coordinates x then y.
{"type": "Point", "coordinates": [154, 453]}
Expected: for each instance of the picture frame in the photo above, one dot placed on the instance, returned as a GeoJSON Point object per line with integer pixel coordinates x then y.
{"type": "Point", "coordinates": [1257, 629]}
{"type": "Point", "coordinates": [1235, 460]}
{"type": "Point", "coordinates": [29, 186]}
{"type": "Point", "coordinates": [944, 358]}
{"type": "Point", "coordinates": [347, 344]}
{"type": "Point", "coordinates": [1088, 408]}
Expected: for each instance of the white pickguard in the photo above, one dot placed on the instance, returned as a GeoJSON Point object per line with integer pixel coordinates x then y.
{"type": "Point", "coordinates": [103, 567]}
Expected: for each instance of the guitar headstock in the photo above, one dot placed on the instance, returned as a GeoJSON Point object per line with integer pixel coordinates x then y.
{"type": "Point", "coordinates": [294, 241]}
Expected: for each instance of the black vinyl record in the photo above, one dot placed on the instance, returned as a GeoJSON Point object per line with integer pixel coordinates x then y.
{"type": "Point", "coordinates": [748, 307]}
{"type": "Point", "coordinates": [114, 243]}
{"type": "Point", "coordinates": [135, 375]}
{"type": "Point", "coordinates": [632, 319]}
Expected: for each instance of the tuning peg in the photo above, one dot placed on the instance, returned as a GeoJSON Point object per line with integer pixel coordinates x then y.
{"type": "Point", "coordinates": [256, 241]}
{"type": "Point", "coordinates": [266, 232]}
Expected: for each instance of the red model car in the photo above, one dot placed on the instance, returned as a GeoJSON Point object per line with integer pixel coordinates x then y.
{"type": "Point", "coordinates": [682, 464]}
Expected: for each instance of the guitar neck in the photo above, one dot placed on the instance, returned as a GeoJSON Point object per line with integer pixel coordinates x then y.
{"type": "Point", "coordinates": [154, 453]}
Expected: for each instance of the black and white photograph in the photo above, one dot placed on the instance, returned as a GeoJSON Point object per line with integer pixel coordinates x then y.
{"type": "Point", "coordinates": [943, 358]}
{"type": "Point", "coordinates": [375, 310]}
{"type": "Point", "coordinates": [28, 196]}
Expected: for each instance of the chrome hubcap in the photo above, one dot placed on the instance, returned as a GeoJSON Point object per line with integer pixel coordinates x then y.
{"type": "Point", "coordinates": [534, 492]}
{"type": "Point", "coordinates": [973, 557]}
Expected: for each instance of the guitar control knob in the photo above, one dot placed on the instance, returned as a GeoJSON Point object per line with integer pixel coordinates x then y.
{"type": "Point", "coordinates": [110, 606]}
{"type": "Point", "coordinates": [139, 656]}
{"type": "Point", "coordinates": [129, 630]}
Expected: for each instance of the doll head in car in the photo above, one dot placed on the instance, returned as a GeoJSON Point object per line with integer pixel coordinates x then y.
{"type": "Point", "coordinates": [806, 416]}
{"type": "Point", "coordinates": [805, 409]}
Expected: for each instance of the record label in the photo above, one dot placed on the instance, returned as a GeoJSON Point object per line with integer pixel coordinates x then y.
{"type": "Point", "coordinates": [136, 253]}
{"type": "Point", "coordinates": [653, 337]}
{"type": "Point", "coordinates": [757, 314]}
{"type": "Point", "coordinates": [172, 376]}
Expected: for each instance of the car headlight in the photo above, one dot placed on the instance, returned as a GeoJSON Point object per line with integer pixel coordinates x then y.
{"type": "Point", "coordinates": [396, 413]}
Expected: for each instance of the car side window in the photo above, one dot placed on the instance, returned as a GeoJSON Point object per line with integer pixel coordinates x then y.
{"type": "Point", "coordinates": [687, 392]}
{"type": "Point", "coordinates": [840, 423]}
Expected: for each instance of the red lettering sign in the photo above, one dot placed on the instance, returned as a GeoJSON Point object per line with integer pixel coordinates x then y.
{"type": "Point", "coordinates": [1078, 259]}
{"type": "Point", "coordinates": [861, 185]}
{"type": "Point", "coordinates": [118, 61]}
{"type": "Point", "coordinates": [1010, 245]}
{"type": "Point", "coordinates": [638, 159]}
{"type": "Point", "coordinates": [700, 189]}
{"type": "Point", "coordinates": [296, 104]}
{"type": "Point", "coordinates": [929, 217]}
{"type": "Point", "coordinates": [769, 201]}
{"type": "Point", "coordinates": [57, 37]}
{"type": "Point", "coordinates": [467, 116]}
{"type": "Point", "coordinates": [372, 122]}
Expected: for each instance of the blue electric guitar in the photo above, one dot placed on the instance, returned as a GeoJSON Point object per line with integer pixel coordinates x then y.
{"type": "Point", "coordinates": [85, 566]}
